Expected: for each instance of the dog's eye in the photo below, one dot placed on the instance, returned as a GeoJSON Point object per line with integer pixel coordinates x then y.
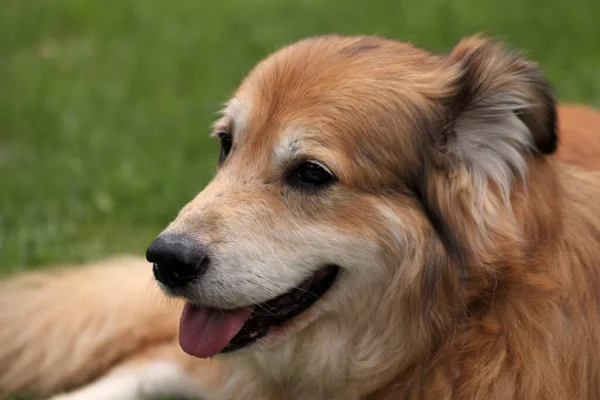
{"type": "Point", "coordinates": [311, 174]}
{"type": "Point", "coordinates": [226, 142]}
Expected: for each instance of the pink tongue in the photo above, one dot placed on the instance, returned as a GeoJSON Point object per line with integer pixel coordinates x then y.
{"type": "Point", "coordinates": [204, 332]}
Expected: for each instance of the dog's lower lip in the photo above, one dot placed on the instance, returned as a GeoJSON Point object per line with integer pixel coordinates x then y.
{"type": "Point", "coordinates": [283, 308]}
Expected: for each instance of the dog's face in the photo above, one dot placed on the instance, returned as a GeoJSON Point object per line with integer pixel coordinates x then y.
{"type": "Point", "coordinates": [326, 207]}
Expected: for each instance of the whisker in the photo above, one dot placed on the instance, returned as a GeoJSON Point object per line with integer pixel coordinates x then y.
{"type": "Point", "coordinates": [288, 289]}
{"type": "Point", "coordinates": [269, 313]}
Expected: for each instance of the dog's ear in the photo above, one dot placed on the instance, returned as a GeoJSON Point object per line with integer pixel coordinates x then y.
{"type": "Point", "coordinates": [494, 86]}
{"type": "Point", "coordinates": [501, 112]}
{"type": "Point", "coordinates": [502, 108]}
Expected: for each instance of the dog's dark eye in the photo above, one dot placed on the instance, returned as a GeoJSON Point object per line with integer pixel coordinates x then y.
{"type": "Point", "coordinates": [311, 174]}
{"type": "Point", "coordinates": [226, 142]}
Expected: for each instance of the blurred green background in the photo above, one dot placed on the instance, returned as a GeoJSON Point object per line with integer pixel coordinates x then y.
{"type": "Point", "coordinates": [105, 106]}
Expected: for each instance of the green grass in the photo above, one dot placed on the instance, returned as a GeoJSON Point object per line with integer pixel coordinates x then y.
{"type": "Point", "coordinates": [105, 105]}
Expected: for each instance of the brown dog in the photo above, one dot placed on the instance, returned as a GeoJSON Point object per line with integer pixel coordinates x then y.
{"type": "Point", "coordinates": [386, 223]}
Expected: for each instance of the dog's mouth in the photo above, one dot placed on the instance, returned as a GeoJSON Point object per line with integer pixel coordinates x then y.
{"type": "Point", "coordinates": [205, 332]}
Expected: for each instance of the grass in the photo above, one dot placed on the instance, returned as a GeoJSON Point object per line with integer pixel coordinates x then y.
{"type": "Point", "coordinates": [105, 106]}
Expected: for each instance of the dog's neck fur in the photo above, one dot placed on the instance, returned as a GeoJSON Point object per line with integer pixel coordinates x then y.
{"type": "Point", "coordinates": [477, 338]}
{"type": "Point", "coordinates": [506, 333]}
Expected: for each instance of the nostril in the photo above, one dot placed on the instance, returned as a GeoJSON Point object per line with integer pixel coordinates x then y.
{"type": "Point", "coordinates": [159, 274]}
{"type": "Point", "coordinates": [177, 259]}
{"type": "Point", "coordinates": [190, 267]}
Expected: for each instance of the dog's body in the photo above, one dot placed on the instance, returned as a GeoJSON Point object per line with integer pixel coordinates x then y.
{"type": "Point", "coordinates": [579, 128]}
{"type": "Point", "coordinates": [467, 257]}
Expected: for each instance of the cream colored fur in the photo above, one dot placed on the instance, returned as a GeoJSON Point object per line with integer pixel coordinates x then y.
{"type": "Point", "coordinates": [55, 322]}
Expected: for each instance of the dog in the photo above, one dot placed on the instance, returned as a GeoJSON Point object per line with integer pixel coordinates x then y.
{"type": "Point", "coordinates": [385, 223]}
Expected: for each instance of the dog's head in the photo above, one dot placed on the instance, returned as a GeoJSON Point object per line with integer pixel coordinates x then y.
{"type": "Point", "coordinates": [358, 179]}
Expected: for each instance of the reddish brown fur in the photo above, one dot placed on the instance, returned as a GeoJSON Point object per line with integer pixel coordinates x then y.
{"type": "Point", "coordinates": [580, 135]}
{"type": "Point", "coordinates": [481, 285]}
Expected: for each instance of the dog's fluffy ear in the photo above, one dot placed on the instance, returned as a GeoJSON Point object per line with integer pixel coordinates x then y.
{"type": "Point", "coordinates": [503, 109]}
{"type": "Point", "coordinates": [502, 112]}
{"type": "Point", "coordinates": [496, 82]}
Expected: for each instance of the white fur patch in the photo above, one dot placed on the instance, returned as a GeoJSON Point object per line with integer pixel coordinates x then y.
{"type": "Point", "coordinates": [288, 147]}
{"type": "Point", "coordinates": [142, 382]}
{"type": "Point", "coordinates": [237, 113]}
{"type": "Point", "coordinates": [492, 140]}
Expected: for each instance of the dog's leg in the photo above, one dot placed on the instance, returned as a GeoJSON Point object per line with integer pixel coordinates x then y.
{"type": "Point", "coordinates": [141, 382]}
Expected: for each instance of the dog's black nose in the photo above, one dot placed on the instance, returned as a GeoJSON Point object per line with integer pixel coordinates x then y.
{"type": "Point", "coordinates": [177, 259]}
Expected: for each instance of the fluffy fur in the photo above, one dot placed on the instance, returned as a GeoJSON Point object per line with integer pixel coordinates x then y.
{"type": "Point", "coordinates": [469, 255]}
